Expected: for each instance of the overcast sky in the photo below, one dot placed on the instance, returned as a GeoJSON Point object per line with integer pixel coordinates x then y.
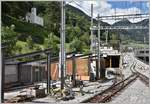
{"type": "Point", "coordinates": [110, 7]}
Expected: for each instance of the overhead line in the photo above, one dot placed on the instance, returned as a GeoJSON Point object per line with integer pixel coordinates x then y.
{"type": "Point", "coordinates": [81, 6]}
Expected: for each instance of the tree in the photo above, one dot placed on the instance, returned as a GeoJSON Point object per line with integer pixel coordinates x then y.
{"type": "Point", "coordinates": [30, 43]}
{"type": "Point", "coordinates": [36, 37]}
{"type": "Point", "coordinates": [51, 17]}
{"type": "Point", "coordinates": [16, 9]}
{"type": "Point", "coordinates": [52, 42]}
{"type": "Point", "coordinates": [114, 41]}
{"type": "Point", "coordinates": [9, 38]}
{"type": "Point", "coordinates": [78, 46]}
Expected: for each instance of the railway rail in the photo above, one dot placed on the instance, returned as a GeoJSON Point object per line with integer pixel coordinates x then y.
{"type": "Point", "coordinates": [106, 95]}
{"type": "Point", "coordinates": [143, 78]}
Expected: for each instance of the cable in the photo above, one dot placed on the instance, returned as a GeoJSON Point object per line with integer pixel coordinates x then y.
{"type": "Point", "coordinates": [135, 15]}
{"type": "Point", "coordinates": [85, 9]}
{"type": "Point", "coordinates": [69, 2]}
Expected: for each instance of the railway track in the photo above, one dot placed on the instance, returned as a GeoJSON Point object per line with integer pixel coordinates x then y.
{"type": "Point", "coordinates": [106, 95]}
{"type": "Point", "coordinates": [143, 78]}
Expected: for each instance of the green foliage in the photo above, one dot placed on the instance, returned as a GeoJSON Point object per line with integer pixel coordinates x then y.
{"type": "Point", "coordinates": [86, 39]}
{"type": "Point", "coordinates": [30, 43]}
{"type": "Point", "coordinates": [9, 38]}
{"type": "Point", "coordinates": [80, 45]}
{"type": "Point", "coordinates": [8, 34]}
{"type": "Point", "coordinates": [72, 32]}
{"type": "Point", "coordinates": [52, 42]}
{"type": "Point", "coordinates": [24, 47]}
{"type": "Point", "coordinates": [21, 47]}
{"type": "Point", "coordinates": [37, 32]}
{"type": "Point", "coordinates": [114, 41]}
{"type": "Point", "coordinates": [51, 17]}
{"type": "Point", "coordinates": [31, 37]}
{"type": "Point", "coordinates": [34, 37]}
{"type": "Point", "coordinates": [76, 45]}
{"type": "Point", "coordinates": [16, 9]}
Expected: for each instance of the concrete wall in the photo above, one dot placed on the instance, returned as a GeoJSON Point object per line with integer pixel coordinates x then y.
{"type": "Point", "coordinates": [34, 19]}
{"type": "Point", "coordinates": [11, 73]}
{"type": "Point", "coordinates": [32, 73]}
{"type": "Point", "coordinates": [39, 20]}
{"type": "Point", "coordinates": [38, 73]}
{"type": "Point", "coordinates": [25, 73]}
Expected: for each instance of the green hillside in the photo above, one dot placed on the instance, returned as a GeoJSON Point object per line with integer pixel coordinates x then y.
{"type": "Point", "coordinates": [25, 29]}
{"type": "Point", "coordinates": [22, 37]}
{"type": "Point", "coordinates": [33, 37]}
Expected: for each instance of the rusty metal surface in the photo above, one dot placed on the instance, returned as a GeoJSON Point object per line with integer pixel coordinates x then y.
{"type": "Point", "coordinates": [81, 68]}
{"type": "Point", "coordinates": [54, 71]}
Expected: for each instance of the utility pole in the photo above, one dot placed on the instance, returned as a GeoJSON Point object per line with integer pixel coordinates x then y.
{"type": "Point", "coordinates": [2, 77]}
{"type": "Point", "coordinates": [62, 47]}
{"type": "Point", "coordinates": [120, 40]}
{"type": "Point", "coordinates": [144, 49]}
{"type": "Point", "coordinates": [98, 70]}
{"type": "Point", "coordinates": [2, 73]}
{"type": "Point", "coordinates": [149, 35]}
{"type": "Point", "coordinates": [2, 70]}
{"type": "Point", "coordinates": [48, 73]}
{"type": "Point", "coordinates": [73, 70]}
{"type": "Point", "coordinates": [92, 50]}
{"type": "Point", "coordinates": [106, 37]}
{"type": "Point", "coordinates": [92, 42]}
{"type": "Point", "coordinates": [144, 40]}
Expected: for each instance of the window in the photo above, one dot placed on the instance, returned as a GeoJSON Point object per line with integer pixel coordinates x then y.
{"type": "Point", "coordinates": [141, 51]}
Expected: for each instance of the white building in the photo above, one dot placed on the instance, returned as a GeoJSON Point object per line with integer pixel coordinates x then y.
{"type": "Point", "coordinates": [33, 18]}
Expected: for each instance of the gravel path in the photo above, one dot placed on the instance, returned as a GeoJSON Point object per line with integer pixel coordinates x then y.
{"type": "Point", "coordinates": [136, 93]}
{"type": "Point", "coordinates": [141, 67]}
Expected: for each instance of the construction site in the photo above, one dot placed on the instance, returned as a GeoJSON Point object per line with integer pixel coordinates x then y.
{"type": "Point", "coordinates": [108, 73]}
